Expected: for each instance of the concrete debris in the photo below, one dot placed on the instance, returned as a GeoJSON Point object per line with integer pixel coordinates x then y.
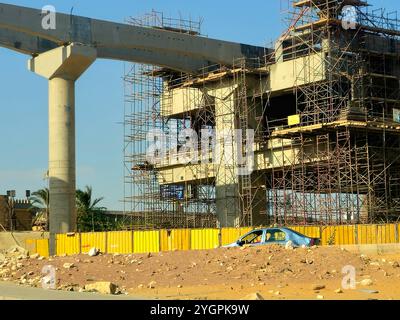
{"type": "Point", "coordinates": [254, 296]}
{"type": "Point", "coordinates": [68, 265]}
{"type": "Point", "coordinates": [93, 252]}
{"type": "Point", "coordinates": [338, 291]}
{"type": "Point", "coordinates": [102, 287]}
{"type": "Point", "coordinates": [289, 245]}
{"type": "Point", "coordinates": [4, 272]}
{"type": "Point", "coordinates": [394, 265]}
{"type": "Point", "coordinates": [35, 256]}
{"type": "Point", "coordinates": [366, 282]}
{"type": "Point", "coordinates": [320, 297]}
{"type": "Point", "coordinates": [18, 249]}
{"type": "Point", "coordinates": [152, 285]}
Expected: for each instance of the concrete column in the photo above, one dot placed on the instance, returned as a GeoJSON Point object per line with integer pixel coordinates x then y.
{"type": "Point", "coordinates": [226, 181]}
{"type": "Point", "coordinates": [62, 67]}
{"type": "Point", "coordinates": [259, 200]}
{"type": "Point", "coordinates": [62, 155]}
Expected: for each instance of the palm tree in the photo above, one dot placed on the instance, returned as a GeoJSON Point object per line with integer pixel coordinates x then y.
{"type": "Point", "coordinates": [40, 201]}
{"type": "Point", "coordinates": [87, 209]}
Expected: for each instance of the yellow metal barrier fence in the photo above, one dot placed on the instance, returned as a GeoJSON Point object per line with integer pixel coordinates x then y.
{"type": "Point", "coordinates": [93, 240]}
{"type": "Point", "coordinates": [203, 239]}
{"type": "Point", "coordinates": [338, 235]}
{"type": "Point", "coordinates": [30, 245]}
{"type": "Point", "coordinates": [69, 244]}
{"type": "Point", "coordinates": [126, 242]}
{"type": "Point", "coordinates": [120, 242]}
{"type": "Point", "coordinates": [309, 231]}
{"type": "Point", "coordinates": [42, 247]}
{"type": "Point", "coordinates": [177, 239]}
{"type": "Point", "coordinates": [367, 234]}
{"type": "Point", "coordinates": [146, 241]}
{"type": "Point", "coordinates": [386, 233]}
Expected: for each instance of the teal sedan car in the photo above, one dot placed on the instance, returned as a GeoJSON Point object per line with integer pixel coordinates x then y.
{"type": "Point", "coordinates": [270, 236]}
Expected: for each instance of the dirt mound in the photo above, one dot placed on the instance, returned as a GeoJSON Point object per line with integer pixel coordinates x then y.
{"type": "Point", "coordinates": [223, 268]}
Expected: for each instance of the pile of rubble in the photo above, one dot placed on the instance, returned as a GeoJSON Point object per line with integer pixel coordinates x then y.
{"type": "Point", "coordinates": [16, 260]}
{"type": "Point", "coordinates": [271, 268]}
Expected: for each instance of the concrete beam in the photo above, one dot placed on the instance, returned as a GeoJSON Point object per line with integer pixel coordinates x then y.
{"type": "Point", "coordinates": [114, 40]}
{"type": "Point", "coordinates": [62, 67]}
{"type": "Point", "coordinates": [33, 45]}
{"type": "Point", "coordinates": [24, 43]}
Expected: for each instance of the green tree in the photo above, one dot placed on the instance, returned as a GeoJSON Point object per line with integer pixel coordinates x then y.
{"type": "Point", "coordinates": [40, 202]}
{"type": "Point", "coordinates": [91, 217]}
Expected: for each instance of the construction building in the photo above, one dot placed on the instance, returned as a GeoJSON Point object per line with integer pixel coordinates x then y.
{"type": "Point", "coordinates": [323, 110]}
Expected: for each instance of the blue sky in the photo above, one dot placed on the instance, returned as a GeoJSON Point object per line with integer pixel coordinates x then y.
{"type": "Point", "coordinates": [99, 93]}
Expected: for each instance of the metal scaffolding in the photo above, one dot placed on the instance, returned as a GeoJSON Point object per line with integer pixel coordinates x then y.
{"type": "Point", "coordinates": [148, 202]}
{"type": "Point", "coordinates": [326, 150]}
{"type": "Point", "coordinates": [346, 169]}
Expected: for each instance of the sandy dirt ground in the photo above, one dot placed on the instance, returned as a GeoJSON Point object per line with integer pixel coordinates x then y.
{"type": "Point", "coordinates": [273, 271]}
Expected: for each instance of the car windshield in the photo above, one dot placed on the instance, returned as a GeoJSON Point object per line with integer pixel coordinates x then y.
{"type": "Point", "coordinates": [254, 237]}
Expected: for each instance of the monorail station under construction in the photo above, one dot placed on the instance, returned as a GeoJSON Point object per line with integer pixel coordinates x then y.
{"type": "Point", "coordinates": [324, 104]}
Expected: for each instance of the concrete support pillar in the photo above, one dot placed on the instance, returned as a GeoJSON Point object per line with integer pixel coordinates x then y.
{"type": "Point", "coordinates": [259, 200]}
{"type": "Point", "coordinates": [62, 67]}
{"type": "Point", "coordinates": [228, 184]}
{"type": "Point", "coordinates": [227, 181]}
